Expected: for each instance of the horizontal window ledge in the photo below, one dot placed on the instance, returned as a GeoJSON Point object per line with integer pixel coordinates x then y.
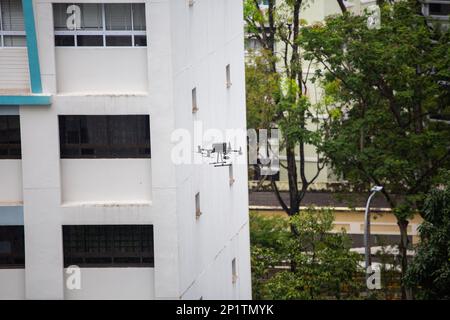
{"type": "Point", "coordinates": [25, 100]}
{"type": "Point", "coordinates": [102, 94]}
{"type": "Point", "coordinates": [11, 203]}
{"type": "Point", "coordinates": [12, 267]}
{"type": "Point", "coordinates": [108, 204]}
{"type": "Point", "coordinates": [100, 33]}
{"type": "Point", "coordinates": [113, 266]}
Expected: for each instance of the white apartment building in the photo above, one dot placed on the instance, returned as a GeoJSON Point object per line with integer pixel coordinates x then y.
{"type": "Point", "coordinates": [86, 178]}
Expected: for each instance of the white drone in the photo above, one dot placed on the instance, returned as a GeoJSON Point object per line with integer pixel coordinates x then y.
{"type": "Point", "coordinates": [223, 151]}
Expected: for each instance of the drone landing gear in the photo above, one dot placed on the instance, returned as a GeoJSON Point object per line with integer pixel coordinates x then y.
{"type": "Point", "coordinates": [219, 164]}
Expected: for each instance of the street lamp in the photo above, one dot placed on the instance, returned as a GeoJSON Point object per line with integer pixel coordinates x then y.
{"type": "Point", "coordinates": [368, 259]}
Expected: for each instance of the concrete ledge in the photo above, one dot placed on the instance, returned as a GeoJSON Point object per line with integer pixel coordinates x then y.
{"type": "Point", "coordinates": [31, 100]}
{"type": "Point", "coordinates": [143, 203]}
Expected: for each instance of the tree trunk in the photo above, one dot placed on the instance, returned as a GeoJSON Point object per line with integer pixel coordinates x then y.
{"type": "Point", "coordinates": [292, 178]}
{"type": "Point", "coordinates": [342, 5]}
{"type": "Point", "coordinates": [403, 248]}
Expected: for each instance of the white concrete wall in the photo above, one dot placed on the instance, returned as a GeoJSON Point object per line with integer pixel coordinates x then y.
{"type": "Point", "coordinates": [156, 100]}
{"type": "Point", "coordinates": [41, 195]}
{"type": "Point", "coordinates": [101, 70]}
{"type": "Point", "coordinates": [113, 284]}
{"type": "Point", "coordinates": [105, 181]}
{"type": "Point", "coordinates": [14, 74]}
{"type": "Point", "coordinates": [207, 37]}
{"type": "Point", "coordinates": [12, 284]}
{"type": "Point", "coordinates": [10, 182]}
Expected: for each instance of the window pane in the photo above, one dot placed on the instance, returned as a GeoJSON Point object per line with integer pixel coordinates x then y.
{"type": "Point", "coordinates": [4, 137]}
{"type": "Point", "coordinates": [118, 41]}
{"type": "Point", "coordinates": [12, 247]}
{"type": "Point", "coordinates": [105, 136]}
{"type": "Point", "coordinates": [91, 16]}
{"type": "Point", "coordinates": [440, 9]}
{"type": "Point", "coordinates": [118, 16]}
{"type": "Point", "coordinates": [14, 41]}
{"type": "Point", "coordinates": [90, 41]}
{"type": "Point", "coordinates": [143, 135]}
{"type": "Point", "coordinates": [69, 135]}
{"type": "Point", "coordinates": [108, 245]}
{"type": "Point", "coordinates": [139, 16]}
{"type": "Point", "coordinates": [10, 137]}
{"type": "Point", "coordinates": [5, 247]}
{"type": "Point", "coordinates": [14, 136]}
{"type": "Point", "coordinates": [12, 15]}
{"type": "Point", "coordinates": [123, 136]}
{"type": "Point", "coordinates": [60, 16]}
{"type": "Point", "coordinates": [94, 136]}
{"type": "Point", "coordinates": [140, 41]}
{"type": "Point", "coordinates": [64, 41]}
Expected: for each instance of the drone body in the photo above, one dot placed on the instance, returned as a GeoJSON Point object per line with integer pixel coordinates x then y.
{"type": "Point", "coordinates": [222, 151]}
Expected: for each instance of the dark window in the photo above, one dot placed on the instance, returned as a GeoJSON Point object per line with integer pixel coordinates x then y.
{"type": "Point", "coordinates": [439, 9]}
{"type": "Point", "coordinates": [140, 41]}
{"type": "Point", "coordinates": [104, 136]}
{"type": "Point", "coordinates": [90, 41]}
{"type": "Point", "coordinates": [64, 41]}
{"type": "Point", "coordinates": [10, 137]}
{"type": "Point", "coordinates": [12, 247]}
{"type": "Point", "coordinates": [108, 245]}
{"type": "Point", "coordinates": [118, 41]}
{"type": "Point", "coordinates": [376, 240]}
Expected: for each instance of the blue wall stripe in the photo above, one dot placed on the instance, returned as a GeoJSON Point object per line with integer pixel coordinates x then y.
{"type": "Point", "coordinates": [33, 55]}
{"type": "Point", "coordinates": [11, 216]}
{"type": "Point", "coordinates": [25, 100]}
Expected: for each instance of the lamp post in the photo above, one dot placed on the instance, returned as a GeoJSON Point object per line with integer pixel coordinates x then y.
{"type": "Point", "coordinates": [368, 259]}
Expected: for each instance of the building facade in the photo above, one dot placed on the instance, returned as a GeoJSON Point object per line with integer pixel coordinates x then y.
{"type": "Point", "coordinates": [90, 95]}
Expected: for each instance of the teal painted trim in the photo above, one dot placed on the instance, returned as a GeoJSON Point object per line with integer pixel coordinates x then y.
{"type": "Point", "coordinates": [11, 216]}
{"type": "Point", "coordinates": [43, 100]}
{"type": "Point", "coordinates": [33, 55]}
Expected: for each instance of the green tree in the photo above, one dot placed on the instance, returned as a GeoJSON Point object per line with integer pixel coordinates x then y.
{"type": "Point", "coordinates": [325, 268]}
{"type": "Point", "coordinates": [383, 89]}
{"type": "Point", "coordinates": [276, 91]}
{"type": "Point", "coordinates": [429, 272]}
{"type": "Point", "coordinates": [268, 237]}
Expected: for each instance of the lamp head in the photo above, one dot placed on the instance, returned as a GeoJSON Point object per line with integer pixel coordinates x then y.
{"type": "Point", "coordinates": [376, 188]}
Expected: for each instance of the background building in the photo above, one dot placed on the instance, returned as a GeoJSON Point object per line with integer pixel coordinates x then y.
{"type": "Point", "coordinates": [86, 177]}
{"type": "Point", "coordinates": [311, 12]}
{"type": "Point", "coordinates": [437, 11]}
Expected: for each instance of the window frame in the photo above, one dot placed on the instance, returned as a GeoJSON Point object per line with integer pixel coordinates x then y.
{"type": "Point", "coordinates": [198, 209]}
{"type": "Point", "coordinates": [108, 147]}
{"type": "Point", "coordinates": [6, 33]}
{"type": "Point", "coordinates": [234, 271]}
{"type": "Point", "coordinates": [10, 146]}
{"type": "Point", "coordinates": [194, 100]}
{"type": "Point", "coordinates": [17, 239]}
{"type": "Point", "coordinates": [228, 76]}
{"type": "Point", "coordinates": [439, 13]}
{"type": "Point", "coordinates": [85, 258]}
{"type": "Point", "coordinates": [104, 33]}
